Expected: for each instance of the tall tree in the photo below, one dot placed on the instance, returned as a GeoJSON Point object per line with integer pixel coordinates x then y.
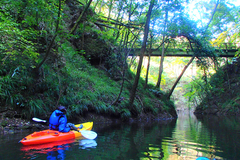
{"type": "Point", "coordinates": [149, 60]}
{"type": "Point", "coordinates": [143, 48]}
{"type": "Point", "coordinates": [122, 51]}
{"type": "Point", "coordinates": [214, 11]}
{"type": "Point", "coordinates": [110, 8]}
{"type": "Point", "coordinates": [168, 10]}
{"type": "Point", "coordinates": [80, 17]}
{"type": "Point", "coordinates": [189, 30]}
{"type": "Point", "coordinates": [56, 31]}
{"type": "Point", "coordinates": [163, 51]}
{"type": "Point", "coordinates": [53, 39]}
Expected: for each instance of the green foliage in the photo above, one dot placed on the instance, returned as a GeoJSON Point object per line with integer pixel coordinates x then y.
{"type": "Point", "coordinates": [222, 17]}
{"type": "Point", "coordinates": [16, 49]}
{"type": "Point", "coordinates": [157, 93]}
{"type": "Point", "coordinates": [231, 106]}
{"type": "Point", "coordinates": [197, 90]}
{"type": "Point", "coordinates": [7, 86]}
{"type": "Point", "coordinates": [37, 107]}
{"type": "Point", "coordinates": [125, 114]}
{"type": "Point", "coordinates": [66, 78]}
{"type": "Point", "coordinates": [168, 105]}
{"type": "Point", "coordinates": [149, 107]}
{"type": "Point", "coordinates": [16, 92]}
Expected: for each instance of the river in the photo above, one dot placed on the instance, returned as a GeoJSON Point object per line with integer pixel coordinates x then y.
{"type": "Point", "coordinates": [186, 138]}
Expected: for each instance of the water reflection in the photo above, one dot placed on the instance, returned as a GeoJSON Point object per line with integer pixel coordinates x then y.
{"type": "Point", "coordinates": [87, 143]}
{"type": "Point", "coordinates": [45, 148]}
{"type": "Point", "coordinates": [191, 139]}
{"type": "Point", "coordinates": [56, 150]}
{"type": "Point", "coordinates": [224, 132]}
{"type": "Point", "coordinates": [187, 138]}
{"type": "Point", "coordinates": [135, 141]}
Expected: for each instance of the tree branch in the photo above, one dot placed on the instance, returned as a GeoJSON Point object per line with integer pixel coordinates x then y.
{"type": "Point", "coordinates": [80, 17]}
{"type": "Point", "coordinates": [214, 11]}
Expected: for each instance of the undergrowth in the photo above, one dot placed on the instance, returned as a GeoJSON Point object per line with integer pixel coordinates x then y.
{"type": "Point", "coordinates": [71, 81]}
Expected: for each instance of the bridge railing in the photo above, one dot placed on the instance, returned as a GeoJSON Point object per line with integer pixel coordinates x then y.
{"type": "Point", "coordinates": [186, 45]}
{"type": "Point", "coordinates": [227, 46]}
{"type": "Point", "coordinates": [183, 49]}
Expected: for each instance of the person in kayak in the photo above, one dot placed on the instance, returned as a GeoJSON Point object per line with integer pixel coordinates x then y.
{"type": "Point", "coordinates": [58, 121]}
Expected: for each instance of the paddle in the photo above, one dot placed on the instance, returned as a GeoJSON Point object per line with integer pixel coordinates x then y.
{"type": "Point", "coordinates": [85, 133]}
{"type": "Point", "coordinates": [38, 120]}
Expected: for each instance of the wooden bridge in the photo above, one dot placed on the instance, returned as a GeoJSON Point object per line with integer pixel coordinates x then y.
{"type": "Point", "coordinates": [223, 50]}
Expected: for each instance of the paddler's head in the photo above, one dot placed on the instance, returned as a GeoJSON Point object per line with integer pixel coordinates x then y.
{"type": "Point", "coordinates": [62, 109]}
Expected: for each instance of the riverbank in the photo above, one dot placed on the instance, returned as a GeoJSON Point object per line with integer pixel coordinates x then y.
{"type": "Point", "coordinates": [16, 125]}
{"type": "Point", "coordinates": [223, 99]}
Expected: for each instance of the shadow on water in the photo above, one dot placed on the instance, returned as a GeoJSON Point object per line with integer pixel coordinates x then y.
{"type": "Point", "coordinates": [135, 141]}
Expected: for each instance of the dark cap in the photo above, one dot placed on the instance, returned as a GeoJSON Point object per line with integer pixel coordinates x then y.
{"type": "Point", "coordinates": [62, 108]}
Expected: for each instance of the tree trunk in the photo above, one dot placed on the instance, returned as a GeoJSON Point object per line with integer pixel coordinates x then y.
{"type": "Point", "coordinates": [180, 76]}
{"type": "Point", "coordinates": [94, 8]}
{"type": "Point", "coordinates": [80, 17]}
{"type": "Point", "coordinates": [125, 59]}
{"type": "Point", "coordinates": [163, 52]}
{"type": "Point", "coordinates": [116, 32]}
{"type": "Point", "coordinates": [184, 69]}
{"type": "Point", "coordinates": [148, 64]}
{"type": "Point", "coordinates": [110, 9]}
{"type": "Point", "coordinates": [52, 41]}
{"type": "Point", "coordinates": [100, 9]}
{"type": "Point", "coordinates": [214, 11]}
{"type": "Point", "coordinates": [57, 27]}
{"type": "Point", "coordinates": [161, 66]}
{"type": "Point", "coordinates": [146, 29]}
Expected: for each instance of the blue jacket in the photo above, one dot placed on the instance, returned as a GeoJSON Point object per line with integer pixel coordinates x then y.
{"type": "Point", "coordinates": [58, 121]}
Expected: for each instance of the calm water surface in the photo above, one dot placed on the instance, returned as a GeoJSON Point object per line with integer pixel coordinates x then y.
{"type": "Point", "coordinates": [186, 138]}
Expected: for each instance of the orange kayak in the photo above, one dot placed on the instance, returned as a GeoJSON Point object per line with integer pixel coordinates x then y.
{"type": "Point", "coordinates": [48, 136]}
{"type": "Point", "coordinates": [46, 147]}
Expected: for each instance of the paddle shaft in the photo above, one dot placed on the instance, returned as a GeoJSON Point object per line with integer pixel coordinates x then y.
{"type": "Point", "coordinates": [44, 121]}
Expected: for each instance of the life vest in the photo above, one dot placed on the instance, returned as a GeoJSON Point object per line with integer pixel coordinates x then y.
{"type": "Point", "coordinates": [54, 119]}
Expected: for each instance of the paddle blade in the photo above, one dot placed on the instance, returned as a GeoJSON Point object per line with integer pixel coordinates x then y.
{"type": "Point", "coordinates": [38, 120]}
{"type": "Point", "coordinates": [88, 134]}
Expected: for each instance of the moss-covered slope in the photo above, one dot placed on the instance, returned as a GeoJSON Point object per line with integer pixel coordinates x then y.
{"type": "Point", "coordinates": [224, 97]}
